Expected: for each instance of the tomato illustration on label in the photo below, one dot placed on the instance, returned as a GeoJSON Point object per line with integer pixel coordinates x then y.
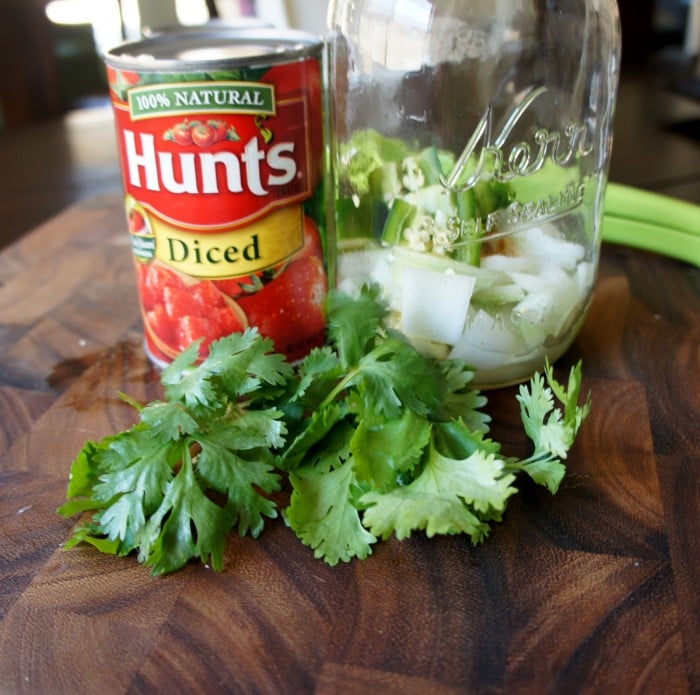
{"type": "Point", "coordinates": [120, 81]}
{"type": "Point", "coordinates": [291, 310]}
{"type": "Point", "coordinates": [136, 221]}
{"type": "Point", "coordinates": [201, 133]}
{"type": "Point", "coordinates": [176, 313]}
{"type": "Point", "coordinates": [181, 133]}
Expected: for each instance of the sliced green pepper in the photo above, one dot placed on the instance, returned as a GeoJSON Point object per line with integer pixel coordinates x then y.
{"type": "Point", "coordinates": [401, 215]}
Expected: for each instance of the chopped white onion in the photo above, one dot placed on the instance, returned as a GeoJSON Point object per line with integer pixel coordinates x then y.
{"type": "Point", "coordinates": [434, 305]}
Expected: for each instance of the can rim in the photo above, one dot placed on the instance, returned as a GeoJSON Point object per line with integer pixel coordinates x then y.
{"type": "Point", "coordinates": [159, 53]}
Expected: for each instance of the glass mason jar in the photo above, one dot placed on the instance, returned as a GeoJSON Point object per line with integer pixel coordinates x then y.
{"type": "Point", "coordinates": [470, 142]}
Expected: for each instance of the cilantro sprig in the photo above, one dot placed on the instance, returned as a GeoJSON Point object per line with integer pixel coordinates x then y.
{"type": "Point", "coordinates": [366, 438]}
{"type": "Point", "coordinates": [197, 465]}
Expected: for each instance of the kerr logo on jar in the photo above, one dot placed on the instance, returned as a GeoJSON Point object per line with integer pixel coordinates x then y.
{"type": "Point", "coordinates": [222, 167]}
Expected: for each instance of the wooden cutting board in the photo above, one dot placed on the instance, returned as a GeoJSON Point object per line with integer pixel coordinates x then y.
{"type": "Point", "coordinates": [594, 590]}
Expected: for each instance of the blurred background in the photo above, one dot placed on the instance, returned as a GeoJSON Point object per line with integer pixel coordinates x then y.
{"type": "Point", "coordinates": [53, 84]}
{"type": "Point", "coordinates": [50, 48]}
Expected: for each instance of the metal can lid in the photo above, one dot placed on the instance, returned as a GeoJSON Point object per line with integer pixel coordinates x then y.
{"type": "Point", "coordinates": [209, 48]}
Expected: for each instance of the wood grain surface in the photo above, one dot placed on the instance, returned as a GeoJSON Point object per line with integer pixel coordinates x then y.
{"type": "Point", "coordinates": [594, 590]}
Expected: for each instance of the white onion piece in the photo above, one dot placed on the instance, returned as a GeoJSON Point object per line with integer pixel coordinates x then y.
{"type": "Point", "coordinates": [545, 244]}
{"type": "Point", "coordinates": [487, 342]}
{"type": "Point", "coordinates": [434, 305]}
{"type": "Point", "coordinates": [358, 268]}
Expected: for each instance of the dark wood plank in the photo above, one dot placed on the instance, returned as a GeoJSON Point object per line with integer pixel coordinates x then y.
{"type": "Point", "coordinates": [90, 223]}
{"type": "Point", "coordinates": [20, 409]}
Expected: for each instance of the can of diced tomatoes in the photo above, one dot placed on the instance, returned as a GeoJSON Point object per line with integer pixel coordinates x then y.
{"type": "Point", "coordinates": [221, 137]}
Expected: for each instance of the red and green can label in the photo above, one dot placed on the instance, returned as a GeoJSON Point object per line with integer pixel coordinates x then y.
{"type": "Point", "coordinates": [224, 199]}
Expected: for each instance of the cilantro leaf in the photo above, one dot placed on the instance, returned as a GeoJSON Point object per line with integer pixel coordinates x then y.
{"type": "Point", "coordinates": [446, 498]}
{"type": "Point", "coordinates": [382, 453]}
{"type": "Point", "coordinates": [245, 361]}
{"type": "Point", "coordinates": [393, 376]}
{"type": "Point", "coordinates": [84, 474]}
{"type": "Point", "coordinates": [183, 382]}
{"type": "Point", "coordinates": [323, 511]}
{"type": "Point", "coordinates": [353, 323]}
{"type": "Point", "coordinates": [87, 534]}
{"type": "Point", "coordinates": [134, 462]}
{"type": "Point", "coordinates": [136, 472]}
{"type": "Point", "coordinates": [170, 420]}
{"type": "Point", "coordinates": [187, 524]}
{"type": "Point", "coordinates": [574, 414]}
{"type": "Point", "coordinates": [236, 365]}
{"type": "Point", "coordinates": [461, 401]}
{"type": "Point", "coordinates": [314, 432]}
{"type": "Point", "coordinates": [319, 373]}
{"type": "Point", "coordinates": [551, 430]}
{"type": "Point", "coordinates": [543, 424]}
{"type": "Point", "coordinates": [456, 440]}
{"type": "Point", "coordinates": [236, 461]}
{"type": "Point", "coordinates": [420, 507]}
{"type": "Point", "coordinates": [250, 429]}
{"type": "Point", "coordinates": [546, 471]}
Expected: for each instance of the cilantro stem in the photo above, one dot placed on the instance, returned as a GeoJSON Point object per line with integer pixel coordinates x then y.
{"type": "Point", "coordinates": [521, 464]}
{"type": "Point", "coordinates": [339, 388]}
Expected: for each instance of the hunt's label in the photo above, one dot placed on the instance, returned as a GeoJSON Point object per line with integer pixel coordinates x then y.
{"type": "Point", "coordinates": [222, 182]}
